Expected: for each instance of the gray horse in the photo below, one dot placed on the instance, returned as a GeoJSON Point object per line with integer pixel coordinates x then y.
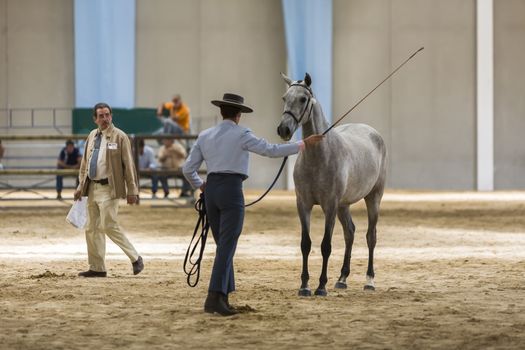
{"type": "Point", "coordinates": [348, 165]}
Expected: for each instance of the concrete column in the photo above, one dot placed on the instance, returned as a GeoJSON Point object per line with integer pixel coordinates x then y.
{"type": "Point", "coordinates": [485, 95]}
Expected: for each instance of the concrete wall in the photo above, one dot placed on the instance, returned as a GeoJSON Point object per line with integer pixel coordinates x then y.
{"type": "Point", "coordinates": [36, 70]}
{"type": "Point", "coordinates": [362, 58]}
{"type": "Point", "coordinates": [509, 88]}
{"type": "Point", "coordinates": [3, 58]}
{"type": "Point", "coordinates": [202, 49]}
{"type": "Point", "coordinates": [37, 49]}
{"type": "Point", "coordinates": [426, 113]}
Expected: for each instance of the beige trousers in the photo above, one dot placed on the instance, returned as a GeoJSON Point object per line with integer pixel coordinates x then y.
{"type": "Point", "coordinates": [102, 221]}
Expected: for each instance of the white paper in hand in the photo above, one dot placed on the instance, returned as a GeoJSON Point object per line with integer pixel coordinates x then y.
{"type": "Point", "coordinates": [77, 215]}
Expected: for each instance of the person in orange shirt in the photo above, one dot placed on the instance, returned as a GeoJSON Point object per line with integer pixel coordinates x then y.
{"type": "Point", "coordinates": [178, 111]}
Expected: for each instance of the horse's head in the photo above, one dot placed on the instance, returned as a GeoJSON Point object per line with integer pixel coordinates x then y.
{"type": "Point", "coordinates": [298, 104]}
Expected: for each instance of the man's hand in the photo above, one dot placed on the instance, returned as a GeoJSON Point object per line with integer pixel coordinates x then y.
{"type": "Point", "coordinates": [133, 199]}
{"type": "Point", "coordinates": [313, 140]}
{"type": "Point", "coordinates": [78, 195]}
{"type": "Point", "coordinates": [203, 186]}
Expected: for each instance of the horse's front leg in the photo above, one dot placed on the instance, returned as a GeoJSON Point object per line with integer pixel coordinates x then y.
{"type": "Point", "coordinates": [326, 248]}
{"type": "Point", "coordinates": [306, 245]}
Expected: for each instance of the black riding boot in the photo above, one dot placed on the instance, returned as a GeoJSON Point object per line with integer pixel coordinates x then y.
{"type": "Point", "coordinates": [217, 302]}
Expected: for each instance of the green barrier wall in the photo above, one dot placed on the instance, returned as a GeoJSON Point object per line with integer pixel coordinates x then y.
{"type": "Point", "coordinates": [131, 121]}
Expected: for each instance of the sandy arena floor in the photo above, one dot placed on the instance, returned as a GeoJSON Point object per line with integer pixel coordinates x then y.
{"type": "Point", "coordinates": [449, 275]}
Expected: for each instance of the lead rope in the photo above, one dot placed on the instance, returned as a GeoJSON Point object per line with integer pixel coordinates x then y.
{"type": "Point", "coordinates": [200, 206]}
{"type": "Point", "coordinates": [193, 268]}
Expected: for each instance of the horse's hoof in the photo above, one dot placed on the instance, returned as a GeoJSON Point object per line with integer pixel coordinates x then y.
{"type": "Point", "coordinates": [305, 292]}
{"type": "Point", "coordinates": [370, 285]}
{"type": "Point", "coordinates": [320, 292]}
{"type": "Point", "coordinates": [340, 285]}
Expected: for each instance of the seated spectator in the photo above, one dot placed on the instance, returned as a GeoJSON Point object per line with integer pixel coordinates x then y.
{"type": "Point", "coordinates": [69, 158]}
{"type": "Point", "coordinates": [169, 127]}
{"type": "Point", "coordinates": [1, 155]}
{"type": "Point", "coordinates": [172, 156]}
{"type": "Point", "coordinates": [147, 162]}
{"type": "Point", "coordinates": [178, 111]}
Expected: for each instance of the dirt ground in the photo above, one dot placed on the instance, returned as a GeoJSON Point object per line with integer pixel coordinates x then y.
{"type": "Point", "coordinates": [449, 275]}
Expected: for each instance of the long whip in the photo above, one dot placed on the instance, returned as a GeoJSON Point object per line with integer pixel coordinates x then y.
{"type": "Point", "coordinates": [334, 124]}
{"type": "Point", "coordinates": [374, 89]}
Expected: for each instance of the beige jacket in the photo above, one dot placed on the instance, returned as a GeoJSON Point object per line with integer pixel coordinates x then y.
{"type": "Point", "coordinates": [121, 170]}
{"type": "Point", "coordinates": [172, 157]}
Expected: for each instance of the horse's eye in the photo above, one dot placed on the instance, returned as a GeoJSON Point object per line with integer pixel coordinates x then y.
{"type": "Point", "coordinates": [303, 99]}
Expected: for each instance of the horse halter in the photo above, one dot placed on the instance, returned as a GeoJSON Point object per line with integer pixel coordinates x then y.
{"type": "Point", "coordinates": [310, 95]}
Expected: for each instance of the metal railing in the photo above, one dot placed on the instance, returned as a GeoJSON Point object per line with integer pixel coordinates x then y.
{"type": "Point", "coordinates": [18, 171]}
{"type": "Point", "coordinates": [42, 172]}
{"type": "Point", "coordinates": [37, 118]}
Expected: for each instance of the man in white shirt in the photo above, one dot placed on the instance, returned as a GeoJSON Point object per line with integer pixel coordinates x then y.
{"type": "Point", "coordinates": [225, 150]}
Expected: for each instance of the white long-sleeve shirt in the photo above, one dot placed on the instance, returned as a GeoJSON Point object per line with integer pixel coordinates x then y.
{"type": "Point", "coordinates": [225, 149]}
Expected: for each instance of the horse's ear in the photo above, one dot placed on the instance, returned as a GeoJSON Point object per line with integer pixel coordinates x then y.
{"type": "Point", "coordinates": [307, 79]}
{"type": "Point", "coordinates": [286, 79]}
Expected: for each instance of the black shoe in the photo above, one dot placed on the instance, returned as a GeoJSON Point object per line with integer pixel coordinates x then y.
{"type": "Point", "coordinates": [166, 194]}
{"type": "Point", "coordinates": [91, 273]}
{"type": "Point", "coordinates": [228, 303]}
{"type": "Point", "coordinates": [216, 303]}
{"type": "Point", "coordinates": [138, 266]}
{"type": "Point", "coordinates": [59, 196]}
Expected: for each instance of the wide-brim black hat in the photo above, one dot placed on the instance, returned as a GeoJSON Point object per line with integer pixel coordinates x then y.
{"type": "Point", "coordinates": [234, 101]}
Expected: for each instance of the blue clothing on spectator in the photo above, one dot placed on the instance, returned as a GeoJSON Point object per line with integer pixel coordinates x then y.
{"type": "Point", "coordinates": [169, 127]}
{"type": "Point", "coordinates": [68, 159]}
{"type": "Point", "coordinates": [80, 144]}
{"type": "Point", "coordinates": [147, 159]}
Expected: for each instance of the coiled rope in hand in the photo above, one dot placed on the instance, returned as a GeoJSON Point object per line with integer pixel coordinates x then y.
{"type": "Point", "coordinates": [192, 267]}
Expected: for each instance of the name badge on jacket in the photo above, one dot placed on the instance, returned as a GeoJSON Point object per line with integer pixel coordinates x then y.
{"type": "Point", "coordinates": [112, 145]}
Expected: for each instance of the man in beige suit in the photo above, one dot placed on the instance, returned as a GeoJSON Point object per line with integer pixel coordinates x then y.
{"type": "Point", "coordinates": [107, 173]}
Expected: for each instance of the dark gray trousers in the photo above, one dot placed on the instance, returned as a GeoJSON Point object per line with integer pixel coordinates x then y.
{"type": "Point", "coordinates": [225, 210]}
